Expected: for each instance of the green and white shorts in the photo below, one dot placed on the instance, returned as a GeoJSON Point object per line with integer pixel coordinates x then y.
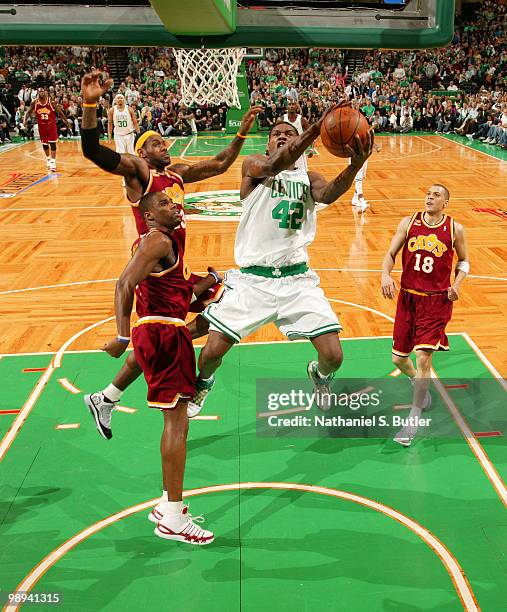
{"type": "Point", "coordinates": [295, 304]}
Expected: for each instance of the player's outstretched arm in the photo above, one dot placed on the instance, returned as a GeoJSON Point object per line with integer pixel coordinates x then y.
{"type": "Point", "coordinates": [463, 265]}
{"type": "Point", "coordinates": [151, 250]}
{"type": "Point", "coordinates": [128, 166]}
{"type": "Point", "coordinates": [207, 281]}
{"type": "Point", "coordinates": [388, 283]}
{"type": "Point", "coordinates": [329, 192]}
{"type": "Point", "coordinates": [221, 162]}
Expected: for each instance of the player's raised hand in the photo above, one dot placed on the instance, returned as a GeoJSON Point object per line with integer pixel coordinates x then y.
{"type": "Point", "coordinates": [115, 348]}
{"type": "Point", "coordinates": [388, 287]}
{"type": "Point", "coordinates": [248, 119]}
{"type": "Point", "coordinates": [360, 153]}
{"type": "Point", "coordinates": [452, 294]}
{"type": "Point", "coordinates": [340, 104]}
{"type": "Point", "coordinates": [92, 89]}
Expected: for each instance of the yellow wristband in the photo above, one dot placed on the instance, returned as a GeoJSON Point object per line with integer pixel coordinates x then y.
{"type": "Point", "coordinates": [240, 136]}
{"type": "Point", "coordinates": [86, 105]}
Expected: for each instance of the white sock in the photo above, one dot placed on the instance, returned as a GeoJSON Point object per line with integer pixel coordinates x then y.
{"type": "Point", "coordinates": [112, 393]}
{"type": "Point", "coordinates": [168, 507]}
{"type": "Point", "coordinates": [206, 379]}
{"type": "Point", "coordinates": [359, 187]}
{"type": "Point", "coordinates": [164, 497]}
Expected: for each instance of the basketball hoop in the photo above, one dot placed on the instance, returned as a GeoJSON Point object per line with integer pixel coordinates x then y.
{"type": "Point", "coordinates": [208, 76]}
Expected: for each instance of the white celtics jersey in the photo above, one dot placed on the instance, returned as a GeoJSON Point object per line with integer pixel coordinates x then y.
{"type": "Point", "coordinates": [297, 123]}
{"type": "Point", "coordinates": [122, 121]}
{"type": "Point", "coordinates": [278, 222]}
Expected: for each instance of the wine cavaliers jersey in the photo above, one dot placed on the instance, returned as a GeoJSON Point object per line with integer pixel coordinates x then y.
{"type": "Point", "coordinates": [171, 184]}
{"type": "Point", "coordinates": [46, 114]}
{"type": "Point", "coordinates": [427, 255]}
{"type": "Point", "coordinates": [166, 293]}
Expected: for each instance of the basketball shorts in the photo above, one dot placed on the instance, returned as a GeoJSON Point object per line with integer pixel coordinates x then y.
{"type": "Point", "coordinates": [295, 304]}
{"type": "Point", "coordinates": [420, 322]}
{"type": "Point", "coordinates": [206, 298]}
{"type": "Point", "coordinates": [48, 133]}
{"type": "Point", "coordinates": [163, 348]}
{"type": "Point", "coordinates": [124, 143]}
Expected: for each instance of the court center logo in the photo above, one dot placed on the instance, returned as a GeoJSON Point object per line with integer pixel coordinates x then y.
{"type": "Point", "coordinates": [214, 205]}
{"type": "Point", "coordinates": [217, 205]}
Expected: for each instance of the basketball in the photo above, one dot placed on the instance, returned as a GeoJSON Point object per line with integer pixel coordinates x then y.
{"type": "Point", "coordinates": [339, 129]}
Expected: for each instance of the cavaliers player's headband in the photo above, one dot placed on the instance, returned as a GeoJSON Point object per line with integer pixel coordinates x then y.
{"type": "Point", "coordinates": [143, 138]}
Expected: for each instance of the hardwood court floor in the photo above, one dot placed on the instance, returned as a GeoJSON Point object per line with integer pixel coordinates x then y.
{"type": "Point", "coordinates": [72, 233]}
{"type": "Point", "coordinates": [308, 518]}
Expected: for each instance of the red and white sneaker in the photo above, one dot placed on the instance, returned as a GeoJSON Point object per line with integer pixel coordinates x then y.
{"type": "Point", "coordinates": [157, 515]}
{"type": "Point", "coordinates": [181, 527]}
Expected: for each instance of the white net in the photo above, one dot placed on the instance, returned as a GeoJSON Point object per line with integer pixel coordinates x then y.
{"type": "Point", "coordinates": [208, 76]}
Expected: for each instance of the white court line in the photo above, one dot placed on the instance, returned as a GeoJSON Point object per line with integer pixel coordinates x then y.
{"type": "Point", "coordinates": [377, 312]}
{"type": "Point", "coordinates": [111, 280]}
{"type": "Point", "coordinates": [66, 384]}
{"type": "Point", "coordinates": [193, 216]}
{"type": "Point", "coordinates": [485, 361]}
{"type": "Point", "coordinates": [125, 409]}
{"type": "Point", "coordinates": [473, 443]}
{"type": "Point", "coordinates": [463, 145]}
{"type": "Point", "coordinates": [25, 411]}
{"type": "Point", "coordinates": [63, 348]}
{"type": "Point", "coordinates": [68, 426]}
{"type": "Point", "coordinates": [192, 140]}
{"type": "Point", "coordinates": [42, 209]}
{"type": "Point", "coordinates": [201, 345]}
{"type": "Point", "coordinates": [455, 571]}
{"type": "Point", "coordinates": [36, 392]}
{"type": "Point", "coordinates": [87, 282]}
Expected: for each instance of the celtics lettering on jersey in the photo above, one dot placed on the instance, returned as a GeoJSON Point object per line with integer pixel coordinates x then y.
{"type": "Point", "coordinates": [278, 221]}
{"type": "Point", "coordinates": [290, 210]}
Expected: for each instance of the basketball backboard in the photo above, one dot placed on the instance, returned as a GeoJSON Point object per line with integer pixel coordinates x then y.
{"type": "Point", "coordinates": [364, 24]}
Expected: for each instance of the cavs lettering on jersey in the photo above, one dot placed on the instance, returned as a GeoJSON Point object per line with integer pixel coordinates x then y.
{"type": "Point", "coordinates": [167, 292]}
{"type": "Point", "coordinates": [427, 255]}
{"type": "Point", "coordinates": [278, 221]}
{"type": "Point", "coordinates": [46, 114]}
{"type": "Point", "coordinates": [171, 184]}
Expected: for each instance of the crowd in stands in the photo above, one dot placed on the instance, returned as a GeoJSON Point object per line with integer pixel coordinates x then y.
{"type": "Point", "coordinates": [460, 88]}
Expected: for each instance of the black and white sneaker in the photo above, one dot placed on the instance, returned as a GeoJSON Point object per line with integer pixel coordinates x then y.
{"type": "Point", "coordinates": [101, 411]}
{"type": "Point", "coordinates": [321, 386]}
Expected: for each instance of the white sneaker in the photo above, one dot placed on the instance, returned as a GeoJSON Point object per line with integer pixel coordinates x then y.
{"type": "Point", "coordinates": [202, 388]}
{"type": "Point", "coordinates": [52, 165]}
{"type": "Point", "coordinates": [101, 411]}
{"type": "Point", "coordinates": [182, 528]}
{"type": "Point", "coordinates": [363, 204]}
{"type": "Point", "coordinates": [156, 513]}
{"type": "Point", "coordinates": [321, 386]}
{"type": "Point", "coordinates": [48, 164]}
{"type": "Point", "coordinates": [355, 200]}
{"type": "Point", "coordinates": [406, 435]}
